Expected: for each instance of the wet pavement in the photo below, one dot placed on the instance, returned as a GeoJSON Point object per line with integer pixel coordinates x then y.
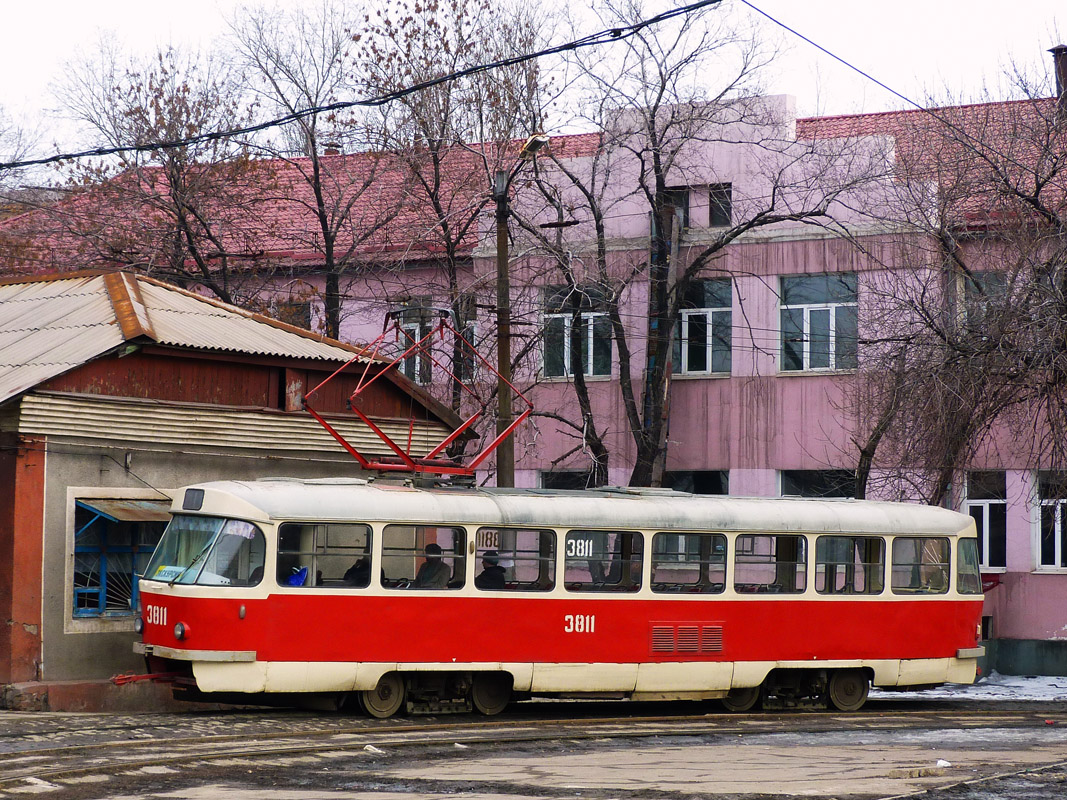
{"type": "Point", "coordinates": [950, 755]}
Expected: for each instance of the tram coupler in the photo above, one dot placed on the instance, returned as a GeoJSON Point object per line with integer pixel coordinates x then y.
{"type": "Point", "coordinates": [132, 677]}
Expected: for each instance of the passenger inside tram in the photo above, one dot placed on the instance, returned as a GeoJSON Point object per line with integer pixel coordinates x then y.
{"type": "Point", "coordinates": [434, 572]}
{"type": "Point", "coordinates": [492, 576]}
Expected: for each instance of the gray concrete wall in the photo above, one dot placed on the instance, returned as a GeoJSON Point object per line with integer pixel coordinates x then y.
{"type": "Point", "coordinates": [80, 649]}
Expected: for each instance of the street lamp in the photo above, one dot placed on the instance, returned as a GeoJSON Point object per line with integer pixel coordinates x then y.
{"type": "Point", "coordinates": [505, 454]}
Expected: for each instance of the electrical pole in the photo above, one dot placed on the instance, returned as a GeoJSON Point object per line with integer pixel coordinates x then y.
{"type": "Point", "coordinates": [505, 453]}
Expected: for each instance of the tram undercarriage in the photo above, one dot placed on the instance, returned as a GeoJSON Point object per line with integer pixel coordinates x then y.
{"type": "Point", "coordinates": [489, 692]}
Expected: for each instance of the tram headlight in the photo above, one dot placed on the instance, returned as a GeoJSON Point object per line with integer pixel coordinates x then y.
{"type": "Point", "coordinates": [138, 625]}
{"type": "Point", "coordinates": [181, 631]}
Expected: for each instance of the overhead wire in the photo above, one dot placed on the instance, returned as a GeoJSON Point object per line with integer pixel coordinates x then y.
{"type": "Point", "coordinates": [605, 36]}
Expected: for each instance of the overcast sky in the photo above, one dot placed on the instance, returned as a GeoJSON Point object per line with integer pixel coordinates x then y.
{"type": "Point", "coordinates": [914, 46]}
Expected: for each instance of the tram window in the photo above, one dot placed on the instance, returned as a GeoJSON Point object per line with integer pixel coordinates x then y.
{"type": "Point", "coordinates": [209, 551]}
{"type": "Point", "coordinates": [423, 557]}
{"type": "Point", "coordinates": [603, 561]}
{"type": "Point", "coordinates": [515, 559]}
{"type": "Point", "coordinates": [324, 555]}
{"type": "Point", "coordinates": [689, 562]}
{"type": "Point", "coordinates": [968, 577]}
{"type": "Point", "coordinates": [770, 563]}
{"type": "Point", "coordinates": [920, 565]}
{"type": "Point", "coordinates": [849, 565]}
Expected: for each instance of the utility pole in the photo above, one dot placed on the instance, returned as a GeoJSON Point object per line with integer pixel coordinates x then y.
{"type": "Point", "coordinates": [505, 452]}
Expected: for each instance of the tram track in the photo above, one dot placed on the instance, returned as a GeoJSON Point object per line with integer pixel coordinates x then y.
{"type": "Point", "coordinates": [57, 765]}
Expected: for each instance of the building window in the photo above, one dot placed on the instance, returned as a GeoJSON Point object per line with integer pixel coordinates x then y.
{"type": "Point", "coordinates": [676, 205]}
{"type": "Point", "coordinates": [567, 479]}
{"type": "Point", "coordinates": [1052, 487]}
{"type": "Point", "coordinates": [818, 483]}
{"type": "Point", "coordinates": [593, 335]}
{"type": "Point", "coordinates": [699, 481]}
{"type": "Point", "coordinates": [987, 503]}
{"type": "Point", "coordinates": [466, 367]}
{"type": "Point", "coordinates": [416, 321]}
{"type": "Point", "coordinates": [702, 339]}
{"type": "Point", "coordinates": [113, 541]}
{"type": "Point", "coordinates": [984, 293]}
{"type": "Point", "coordinates": [818, 320]}
{"type": "Point", "coordinates": [720, 205]}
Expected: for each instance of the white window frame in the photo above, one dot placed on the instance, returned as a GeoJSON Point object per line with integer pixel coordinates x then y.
{"type": "Point", "coordinates": [830, 307]}
{"type": "Point", "coordinates": [1061, 511]}
{"type": "Point", "coordinates": [709, 315]}
{"type": "Point", "coordinates": [588, 322]}
{"type": "Point", "coordinates": [984, 505]}
{"type": "Point", "coordinates": [413, 362]}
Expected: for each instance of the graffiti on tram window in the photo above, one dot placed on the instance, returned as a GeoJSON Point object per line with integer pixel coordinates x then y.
{"type": "Point", "coordinates": [603, 561]}
{"type": "Point", "coordinates": [579, 623]}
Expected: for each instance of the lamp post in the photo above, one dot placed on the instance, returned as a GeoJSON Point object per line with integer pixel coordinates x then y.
{"type": "Point", "coordinates": [505, 454]}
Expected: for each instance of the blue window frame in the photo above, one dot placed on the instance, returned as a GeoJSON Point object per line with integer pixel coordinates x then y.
{"type": "Point", "coordinates": [113, 541]}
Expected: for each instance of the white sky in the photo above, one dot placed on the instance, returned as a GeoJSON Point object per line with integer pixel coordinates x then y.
{"type": "Point", "coordinates": [914, 46]}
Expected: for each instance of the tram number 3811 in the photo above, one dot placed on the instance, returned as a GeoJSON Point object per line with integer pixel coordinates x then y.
{"type": "Point", "coordinates": [579, 623]}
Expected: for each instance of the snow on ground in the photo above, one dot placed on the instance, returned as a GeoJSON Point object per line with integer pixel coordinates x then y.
{"type": "Point", "coordinates": [994, 687]}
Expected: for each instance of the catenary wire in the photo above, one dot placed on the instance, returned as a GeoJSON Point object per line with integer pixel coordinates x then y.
{"type": "Point", "coordinates": [601, 37]}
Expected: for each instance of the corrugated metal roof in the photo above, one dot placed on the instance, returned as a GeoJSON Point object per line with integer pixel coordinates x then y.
{"type": "Point", "coordinates": [52, 324]}
{"type": "Point", "coordinates": [186, 320]}
{"type": "Point", "coordinates": [143, 422]}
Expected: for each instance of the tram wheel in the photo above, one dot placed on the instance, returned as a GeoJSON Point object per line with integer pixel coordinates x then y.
{"type": "Point", "coordinates": [739, 700]}
{"type": "Point", "coordinates": [491, 692]}
{"type": "Point", "coordinates": [386, 698]}
{"type": "Point", "coordinates": [848, 689]}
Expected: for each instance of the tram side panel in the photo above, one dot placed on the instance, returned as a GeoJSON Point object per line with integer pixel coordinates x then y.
{"type": "Point", "coordinates": [558, 637]}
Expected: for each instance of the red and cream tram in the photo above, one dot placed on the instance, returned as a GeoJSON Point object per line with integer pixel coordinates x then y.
{"type": "Point", "coordinates": [448, 598]}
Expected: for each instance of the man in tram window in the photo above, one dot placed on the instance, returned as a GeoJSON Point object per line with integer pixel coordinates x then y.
{"type": "Point", "coordinates": [491, 577]}
{"type": "Point", "coordinates": [358, 574]}
{"type": "Point", "coordinates": [434, 572]}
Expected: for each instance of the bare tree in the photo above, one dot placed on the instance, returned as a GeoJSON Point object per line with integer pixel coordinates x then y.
{"type": "Point", "coordinates": [970, 312]}
{"type": "Point", "coordinates": [180, 212]}
{"type": "Point", "coordinates": [454, 137]}
{"type": "Point", "coordinates": [662, 121]}
{"type": "Point", "coordinates": [296, 63]}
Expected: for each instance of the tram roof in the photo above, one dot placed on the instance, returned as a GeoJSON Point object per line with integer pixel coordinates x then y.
{"type": "Point", "coordinates": [355, 500]}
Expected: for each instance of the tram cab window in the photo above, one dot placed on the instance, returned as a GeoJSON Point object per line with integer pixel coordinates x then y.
{"type": "Point", "coordinates": [209, 551]}
{"type": "Point", "coordinates": [689, 562]}
{"type": "Point", "coordinates": [968, 577]}
{"type": "Point", "coordinates": [603, 561]}
{"type": "Point", "coordinates": [423, 557]}
{"type": "Point", "coordinates": [770, 563]}
{"type": "Point", "coordinates": [920, 565]}
{"type": "Point", "coordinates": [324, 555]}
{"type": "Point", "coordinates": [849, 565]}
{"type": "Point", "coordinates": [515, 559]}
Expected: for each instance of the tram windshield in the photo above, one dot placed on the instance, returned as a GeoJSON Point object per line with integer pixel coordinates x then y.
{"type": "Point", "coordinates": [210, 551]}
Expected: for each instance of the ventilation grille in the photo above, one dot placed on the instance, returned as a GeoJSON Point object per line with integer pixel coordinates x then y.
{"type": "Point", "coordinates": [686, 637]}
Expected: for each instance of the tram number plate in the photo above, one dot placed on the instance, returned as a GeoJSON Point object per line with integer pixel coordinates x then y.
{"type": "Point", "coordinates": [579, 623]}
{"type": "Point", "coordinates": [155, 615]}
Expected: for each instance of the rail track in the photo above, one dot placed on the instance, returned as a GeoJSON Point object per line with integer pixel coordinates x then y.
{"type": "Point", "coordinates": [35, 759]}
